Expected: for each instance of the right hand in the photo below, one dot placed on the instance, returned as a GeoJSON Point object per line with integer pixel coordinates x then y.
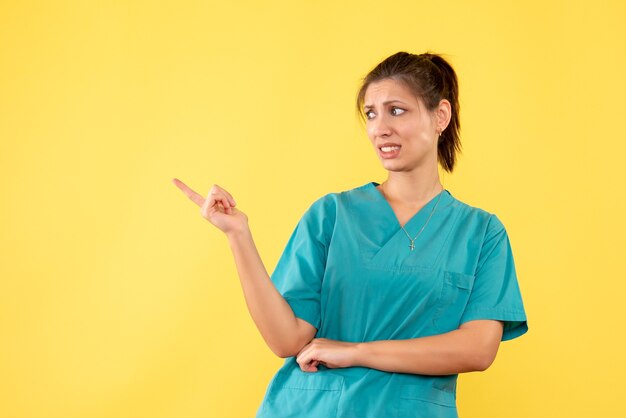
{"type": "Point", "coordinates": [218, 208]}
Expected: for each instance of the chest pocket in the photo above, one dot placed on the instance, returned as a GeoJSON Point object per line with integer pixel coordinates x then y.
{"type": "Point", "coordinates": [455, 293]}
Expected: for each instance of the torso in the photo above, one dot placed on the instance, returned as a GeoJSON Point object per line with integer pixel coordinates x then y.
{"type": "Point", "coordinates": [373, 287]}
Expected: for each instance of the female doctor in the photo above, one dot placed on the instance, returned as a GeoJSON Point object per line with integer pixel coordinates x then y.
{"type": "Point", "coordinates": [385, 292]}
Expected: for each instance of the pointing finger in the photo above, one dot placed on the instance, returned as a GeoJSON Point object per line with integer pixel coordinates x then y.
{"type": "Point", "coordinates": [195, 197]}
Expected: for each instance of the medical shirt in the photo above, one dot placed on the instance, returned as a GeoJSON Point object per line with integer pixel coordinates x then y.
{"type": "Point", "coordinates": [347, 269]}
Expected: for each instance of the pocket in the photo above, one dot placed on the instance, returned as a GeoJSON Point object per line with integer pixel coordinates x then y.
{"type": "Point", "coordinates": [427, 402]}
{"type": "Point", "coordinates": [455, 292]}
{"type": "Point", "coordinates": [294, 393]}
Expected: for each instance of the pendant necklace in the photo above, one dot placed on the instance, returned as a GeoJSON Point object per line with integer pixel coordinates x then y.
{"type": "Point", "coordinates": [412, 240]}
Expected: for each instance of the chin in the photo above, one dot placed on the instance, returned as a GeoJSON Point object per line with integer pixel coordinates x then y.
{"type": "Point", "coordinates": [393, 166]}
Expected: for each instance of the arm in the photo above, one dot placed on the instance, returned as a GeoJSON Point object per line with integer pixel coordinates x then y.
{"type": "Point", "coordinates": [284, 333]}
{"type": "Point", "coordinates": [472, 347]}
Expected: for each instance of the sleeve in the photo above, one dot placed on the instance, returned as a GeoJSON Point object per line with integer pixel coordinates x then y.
{"type": "Point", "coordinates": [300, 269]}
{"type": "Point", "coordinates": [496, 293]}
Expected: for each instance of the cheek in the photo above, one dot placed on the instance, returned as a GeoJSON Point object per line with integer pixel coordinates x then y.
{"type": "Point", "coordinates": [415, 133]}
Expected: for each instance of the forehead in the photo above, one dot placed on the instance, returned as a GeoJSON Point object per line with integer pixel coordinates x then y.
{"type": "Point", "coordinates": [388, 89]}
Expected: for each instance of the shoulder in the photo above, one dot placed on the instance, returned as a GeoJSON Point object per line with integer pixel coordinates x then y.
{"type": "Point", "coordinates": [486, 222]}
{"type": "Point", "coordinates": [326, 209]}
{"type": "Point", "coordinates": [331, 201]}
{"type": "Point", "coordinates": [486, 231]}
{"type": "Point", "coordinates": [321, 214]}
{"type": "Point", "coordinates": [324, 205]}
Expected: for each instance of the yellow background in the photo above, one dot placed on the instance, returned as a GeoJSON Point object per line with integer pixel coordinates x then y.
{"type": "Point", "coordinates": [117, 299]}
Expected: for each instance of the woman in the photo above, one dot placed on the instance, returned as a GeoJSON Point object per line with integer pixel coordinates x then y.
{"type": "Point", "coordinates": [385, 292]}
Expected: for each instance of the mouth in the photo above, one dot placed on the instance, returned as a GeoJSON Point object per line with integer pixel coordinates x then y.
{"type": "Point", "coordinates": [389, 150]}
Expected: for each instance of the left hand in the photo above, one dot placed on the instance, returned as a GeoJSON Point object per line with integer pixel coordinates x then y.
{"type": "Point", "coordinates": [330, 353]}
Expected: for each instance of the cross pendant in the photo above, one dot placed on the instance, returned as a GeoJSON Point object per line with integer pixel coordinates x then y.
{"type": "Point", "coordinates": [411, 246]}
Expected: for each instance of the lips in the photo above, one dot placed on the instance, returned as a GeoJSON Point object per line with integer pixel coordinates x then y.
{"type": "Point", "coordinates": [389, 144]}
{"type": "Point", "coordinates": [392, 152]}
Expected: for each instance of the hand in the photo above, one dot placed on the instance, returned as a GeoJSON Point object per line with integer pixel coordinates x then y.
{"type": "Point", "coordinates": [218, 208]}
{"type": "Point", "coordinates": [330, 353]}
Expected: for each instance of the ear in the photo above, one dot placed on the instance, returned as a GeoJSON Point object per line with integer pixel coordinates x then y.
{"type": "Point", "coordinates": [443, 114]}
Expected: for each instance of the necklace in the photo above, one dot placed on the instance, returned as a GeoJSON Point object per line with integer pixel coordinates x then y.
{"type": "Point", "coordinates": [412, 240]}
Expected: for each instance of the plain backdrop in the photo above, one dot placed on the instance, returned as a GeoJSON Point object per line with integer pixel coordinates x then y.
{"type": "Point", "coordinates": [117, 299]}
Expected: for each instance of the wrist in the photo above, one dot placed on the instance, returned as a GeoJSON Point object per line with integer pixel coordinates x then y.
{"type": "Point", "coordinates": [359, 354]}
{"type": "Point", "coordinates": [238, 235]}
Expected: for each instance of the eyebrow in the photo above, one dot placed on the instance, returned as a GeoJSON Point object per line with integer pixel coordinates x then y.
{"type": "Point", "coordinates": [384, 103]}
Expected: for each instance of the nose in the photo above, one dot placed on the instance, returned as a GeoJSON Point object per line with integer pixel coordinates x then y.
{"type": "Point", "coordinates": [380, 126]}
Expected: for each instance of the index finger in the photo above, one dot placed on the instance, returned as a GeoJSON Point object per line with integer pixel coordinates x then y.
{"type": "Point", "coordinates": [195, 197]}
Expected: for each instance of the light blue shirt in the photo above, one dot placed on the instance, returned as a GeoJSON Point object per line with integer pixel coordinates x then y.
{"type": "Point", "coordinates": [347, 269]}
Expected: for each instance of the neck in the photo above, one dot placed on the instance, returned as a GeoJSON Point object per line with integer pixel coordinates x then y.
{"type": "Point", "coordinates": [412, 188]}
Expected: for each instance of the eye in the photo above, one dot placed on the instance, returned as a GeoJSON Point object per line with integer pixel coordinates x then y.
{"type": "Point", "coordinates": [367, 114]}
{"type": "Point", "coordinates": [397, 108]}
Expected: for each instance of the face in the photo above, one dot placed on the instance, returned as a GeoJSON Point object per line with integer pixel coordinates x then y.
{"type": "Point", "coordinates": [397, 119]}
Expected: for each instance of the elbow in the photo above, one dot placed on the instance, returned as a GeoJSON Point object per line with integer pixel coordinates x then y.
{"type": "Point", "coordinates": [483, 360]}
{"type": "Point", "coordinates": [281, 351]}
{"type": "Point", "coordinates": [483, 364]}
{"type": "Point", "coordinates": [290, 347]}
{"type": "Point", "coordinates": [285, 350]}
{"type": "Point", "coordinates": [479, 357]}
{"type": "Point", "coordinates": [484, 352]}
